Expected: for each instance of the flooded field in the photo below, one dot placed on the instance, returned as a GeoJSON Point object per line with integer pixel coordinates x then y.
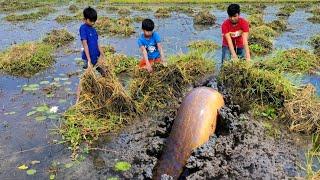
{"type": "Point", "coordinates": [32, 108]}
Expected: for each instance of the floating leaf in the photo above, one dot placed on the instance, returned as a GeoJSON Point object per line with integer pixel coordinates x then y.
{"type": "Point", "coordinates": [31, 171]}
{"type": "Point", "coordinates": [31, 113]}
{"type": "Point", "coordinates": [23, 167]}
{"type": "Point", "coordinates": [52, 176]}
{"type": "Point", "coordinates": [40, 118]}
{"type": "Point", "coordinates": [42, 108]}
{"type": "Point", "coordinates": [44, 82]}
{"type": "Point", "coordinates": [122, 166]}
{"type": "Point", "coordinates": [68, 165]}
{"type": "Point", "coordinates": [35, 162]}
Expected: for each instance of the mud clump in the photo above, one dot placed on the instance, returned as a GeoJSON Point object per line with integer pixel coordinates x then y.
{"type": "Point", "coordinates": [242, 150]}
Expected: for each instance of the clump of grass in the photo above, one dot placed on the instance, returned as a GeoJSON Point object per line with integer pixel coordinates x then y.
{"type": "Point", "coordinates": [58, 38]}
{"type": "Point", "coordinates": [112, 8]}
{"type": "Point", "coordinates": [221, 6]}
{"type": "Point", "coordinates": [302, 5]}
{"type": "Point", "coordinates": [123, 11]}
{"type": "Point", "coordinates": [141, 8]}
{"type": "Point", "coordinates": [203, 45]}
{"type": "Point", "coordinates": [119, 27]}
{"type": "Point", "coordinates": [255, 20]}
{"type": "Point", "coordinates": [286, 10]}
{"type": "Point", "coordinates": [278, 25]}
{"type": "Point", "coordinates": [162, 88]}
{"type": "Point", "coordinates": [293, 60]}
{"type": "Point", "coordinates": [30, 16]}
{"type": "Point", "coordinates": [249, 85]}
{"type": "Point", "coordinates": [314, 19]}
{"type": "Point", "coordinates": [264, 30]}
{"type": "Point", "coordinates": [162, 13]}
{"type": "Point", "coordinates": [121, 63]}
{"type": "Point", "coordinates": [315, 43]}
{"type": "Point", "coordinates": [204, 17]}
{"type": "Point", "coordinates": [259, 44]}
{"type": "Point", "coordinates": [15, 5]}
{"type": "Point", "coordinates": [138, 19]}
{"type": "Point", "coordinates": [303, 110]}
{"type": "Point", "coordinates": [65, 19]}
{"type": "Point", "coordinates": [252, 8]}
{"type": "Point", "coordinates": [26, 59]}
{"type": "Point", "coordinates": [315, 10]}
{"type": "Point", "coordinates": [182, 9]}
{"type": "Point", "coordinates": [73, 8]}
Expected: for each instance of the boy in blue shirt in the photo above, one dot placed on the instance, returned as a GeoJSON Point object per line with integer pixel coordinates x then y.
{"type": "Point", "coordinates": [89, 39]}
{"type": "Point", "coordinates": [150, 45]}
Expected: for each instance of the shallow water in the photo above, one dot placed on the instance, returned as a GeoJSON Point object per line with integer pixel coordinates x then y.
{"type": "Point", "coordinates": [36, 139]}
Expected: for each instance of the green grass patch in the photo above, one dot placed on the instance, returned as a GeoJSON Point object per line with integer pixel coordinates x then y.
{"type": "Point", "coordinates": [293, 61]}
{"type": "Point", "coordinates": [123, 12]}
{"type": "Point", "coordinates": [162, 12]}
{"type": "Point", "coordinates": [58, 38]}
{"type": "Point", "coordinates": [314, 19]}
{"type": "Point", "coordinates": [279, 25]}
{"type": "Point", "coordinates": [30, 16]}
{"type": "Point", "coordinates": [286, 10]}
{"type": "Point", "coordinates": [203, 45]}
{"type": "Point", "coordinates": [26, 59]}
{"type": "Point", "coordinates": [17, 5]}
{"type": "Point", "coordinates": [204, 17]}
{"type": "Point", "coordinates": [315, 43]}
{"type": "Point", "coordinates": [255, 20]}
{"type": "Point", "coordinates": [204, 1]}
{"type": "Point", "coordinates": [116, 27]}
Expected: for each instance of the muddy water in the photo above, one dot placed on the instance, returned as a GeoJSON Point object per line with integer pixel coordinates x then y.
{"type": "Point", "coordinates": [24, 139]}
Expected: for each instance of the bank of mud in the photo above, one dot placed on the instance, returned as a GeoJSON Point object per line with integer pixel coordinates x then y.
{"type": "Point", "coordinates": [240, 148]}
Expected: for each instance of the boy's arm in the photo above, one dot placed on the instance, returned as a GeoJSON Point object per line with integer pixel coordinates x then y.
{"type": "Point", "coordinates": [145, 57]}
{"type": "Point", "coordinates": [101, 51]}
{"type": "Point", "coordinates": [161, 53]}
{"type": "Point", "coordinates": [231, 47]}
{"type": "Point", "coordinates": [245, 36]}
{"type": "Point", "coordinates": [86, 51]}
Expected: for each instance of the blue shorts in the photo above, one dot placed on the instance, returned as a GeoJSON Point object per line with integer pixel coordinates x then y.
{"type": "Point", "coordinates": [226, 54]}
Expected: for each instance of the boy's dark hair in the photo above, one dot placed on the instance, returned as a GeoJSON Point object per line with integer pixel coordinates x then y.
{"type": "Point", "coordinates": [90, 13]}
{"type": "Point", "coordinates": [148, 25]}
{"type": "Point", "coordinates": [233, 9]}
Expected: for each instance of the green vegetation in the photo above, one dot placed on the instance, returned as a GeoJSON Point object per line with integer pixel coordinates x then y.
{"type": "Point", "coordinates": [293, 60]}
{"type": "Point", "coordinates": [315, 43]}
{"type": "Point", "coordinates": [204, 17]}
{"type": "Point", "coordinates": [16, 5]}
{"type": "Point", "coordinates": [278, 25]}
{"type": "Point", "coordinates": [118, 27]}
{"type": "Point", "coordinates": [30, 16]}
{"type": "Point", "coordinates": [162, 13]}
{"type": "Point", "coordinates": [123, 12]}
{"type": "Point", "coordinates": [140, 8]}
{"type": "Point", "coordinates": [203, 45]}
{"type": "Point", "coordinates": [204, 1]}
{"type": "Point", "coordinates": [65, 19]}
{"type": "Point", "coordinates": [73, 8]}
{"type": "Point", "coordinates": [58, 38]}
{"type": "Point", "coordinates": [255, 20]}
{"type": "Point", "coordinates": [122, 166]}
{"type": "Point", "coordinates": [106, 106]}
{"type": "Point", "coordinates": [286, 10]}
{"type": "Point", "coordinates": [314, 19]}
{"type": "Point", "coordinates": [26, 59]}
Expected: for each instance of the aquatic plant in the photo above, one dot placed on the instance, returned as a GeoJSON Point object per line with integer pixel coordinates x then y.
{"type": "Point", "coordinates": [204, 45]}
{"type": "Point", "coordinates": [286, 10]}
{"type": "Point", "coordinates": [278, 25]}
{"type": "Point", "coordinates": [293, 60]}
{"type": "Point", "coordinates": [315, 43]}
{"type": "Point", "coordinates": [30, 16]}
{"type": "Point", "coordinates": [204, 17]}
{"type": "Point", "coordinates": [162, 12]}
{"type": "Point", "coordinates": [118, 27]}
{"type": "Point", "coordinates": [26, 59]}
{"type": "Point", "coordinates": [259, 43]}
{"type": "Point", "coordinates": [123, 11]}
{"type": "Point", "coordinates": [255, 20]}
{"type": "Point", "coordinates": [58, 38]}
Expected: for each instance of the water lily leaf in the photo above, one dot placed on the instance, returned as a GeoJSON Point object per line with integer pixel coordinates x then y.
{"type": "Point", "coordinates": [35, 162]}
{"type": "Point", "coordinates": [42, 108]}
{"type": "Point", "coordinates": [31, 113]}
{"type": "Point", "coordinates": [122, 166]}
{"type": "Point", "coordinates": [44, 82]}
{"type": "Point", "coordinates": [23, 167]}
{"type": "Point", "coordinates": [68, 165]}
{"type": "Point", "coordinates": [52, 176]}
{"type": "Point", "coordinates": [40, 118]}
{"type": "Point", "coordinates": [31, 171]}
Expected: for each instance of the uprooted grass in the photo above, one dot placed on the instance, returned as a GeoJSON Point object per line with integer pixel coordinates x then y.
{"type": "Point", "coordinates": [26, 59]}
{"type": "Point", "coordinates": [255, 20]}
{"type": "Point", "coordinates": [30, 16]}
{"type": "Point", "coordinates": [105, 105]}
{"type": "Point", "coordinates": [58, 38]}
{"type": "Point", "coordinates": [15, 5]}
{"type": "Point", "coordinates": [286, 10]}
{"type": "Point", "coordinates": [293, 61]}
{"type": "Point", "coordinates": [204, 17]}
{"type": "Point", "coordinates": [203, 45]}
{"type": "Point", "coordinates": [259, 43]}
{"type": "Point", "coordinates": [315, 43]}
{"type": "Point", "coordinates": [162, 12]}
{"type": "Point", "coordinates": [118, 27]}
{"type": "Point", "coordinates": [250, 86]}
{"type": "Point", "coordinates": [279, 25]}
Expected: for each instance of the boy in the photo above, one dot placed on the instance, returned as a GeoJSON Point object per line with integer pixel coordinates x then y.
{"type": "Point", "coordinates": [150, 45]}
{"type": "Point", "coordinates": [235, 32]}
{"type": "Point", "coordinates": [89, 39]}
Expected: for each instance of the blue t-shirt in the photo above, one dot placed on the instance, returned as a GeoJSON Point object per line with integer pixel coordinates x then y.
{"type": "Point", "coordinates": [150, 45]}
{"type": "Point", "coordinates": [90, 34]}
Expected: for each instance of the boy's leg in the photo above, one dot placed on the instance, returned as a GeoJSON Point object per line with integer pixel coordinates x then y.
{"type": "Point", "coordinates": [240, 53]}
{"type": "Point", "coordinates": [226, 54]}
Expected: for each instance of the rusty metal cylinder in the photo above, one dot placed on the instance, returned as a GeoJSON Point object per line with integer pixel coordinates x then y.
{"type": "Point", "coordinates": [195, 122]}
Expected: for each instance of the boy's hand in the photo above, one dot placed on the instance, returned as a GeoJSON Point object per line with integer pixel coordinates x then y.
{"type": "Point", "coordinates": [235, 58]}
{"type": "Point", "coordinates": [164, 62]}
{"type": "Point", "coordinates": [149, 68]}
